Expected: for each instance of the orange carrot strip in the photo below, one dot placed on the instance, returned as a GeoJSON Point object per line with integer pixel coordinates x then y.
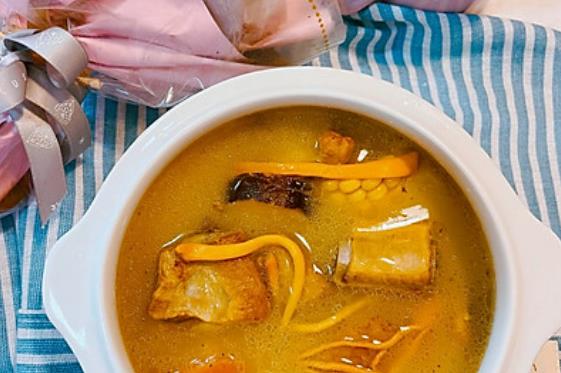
{"type": "Point", "coordinates": [400, 166]}
{"type": "Point", "coordinates": [192, 251]}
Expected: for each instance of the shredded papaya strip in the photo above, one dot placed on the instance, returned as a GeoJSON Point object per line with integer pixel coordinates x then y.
{"type": "Point", "coordinates": [400, 362]}
{"type": "Point", "coordinates": [400, 166]}
{"type": "Point", "coordinates": [378, 358]}
{"type": "Point", "coordinates": [337, 367]}
{"type": "Point", "coordinates": [192, 251]}
{"type": "Point", "coordinates": [402, 332]}
{"type": "Point", "coordinates": [331, 320]}
{"type": "Point", "coordinates": [272, 267]}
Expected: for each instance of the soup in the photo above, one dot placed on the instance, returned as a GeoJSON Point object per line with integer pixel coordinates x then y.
{"type": "Point", "coordinates": [304, 239]}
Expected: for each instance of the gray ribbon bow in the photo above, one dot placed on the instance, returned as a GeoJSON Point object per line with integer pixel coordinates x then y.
{"type": "Point", "coordinates": [44, 102]}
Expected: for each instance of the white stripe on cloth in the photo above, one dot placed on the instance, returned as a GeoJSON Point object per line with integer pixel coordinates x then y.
{"type": "Point", "coordinates": [426, 58]}
{"type": "Point", "coordinates": [549, 125]}
{"type": "Point", "coordinates": [52, 230]}
{"type": "Point", "coordinates": [471, 88]}
{"type": "Point", "coordinates": [120, 131]}
{"type": "Point", "coordinates": [535, 169]}
{"type": "Point", "coordinates": [27, 250]}
{"type": "Point", "coordinates": [407, 52]}
{"type": "Point", "coordinates": [511, 108]}
{"type": "Point", "coordinates": [334, 58]}
{"type": "Point", "coordinates": [27, 333]}
{"type": "Point", "coordinates": [370, 55]}
{"type": "Point", "coordinates": [30, 359]}
{"type": "Point", "coordinates": [79, 190]}
{"type": "Point", "coordinates": [353, 57]}
{"type": "Point", "coordinates": [447, 68]}
{"type": "Point", "coordinates": [31, 312]}
{"type": "Point", "coordinates": [488, 87]}
{"type": "Point", "coordinates": [390, 63]}
{"type": "Point", "coordinates": [8, 299]}
{"type": "Point", "coordinates": [141, 120]}
{"type": "Point", "coordinates": [98, 141]}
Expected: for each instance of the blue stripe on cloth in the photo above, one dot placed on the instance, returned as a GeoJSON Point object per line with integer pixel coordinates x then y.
{"type": "Point", "coordinates": [435, 60]}
{"type": "Point", "coordinates": [556, 97]}
{"type": "Point", "coordinates": [481, 42]}
{"type": "Point", "coordinates": [109, 131]}
{"type": "Point", "coordinates": [151, 115]}
{"type": "Point", "coordinates": [33, 320]}
{"type": "Point", "coordinates": [384, 31]}
{"type": "Point", "coordinates": [88, 174]}
{"type": "Point", "coordinates": [48, 346]}
{"type": "Point", "coordinates": [497, 71]}
{"type": "Point", "coordinates": [457, 39]}
{"type": "Point", "coordinates": [35, 268]}
{"type": "Point", "coordinates": [413, 52]}
{"type": "Point", "coordinates": [544, 163]}
{"type": "Point", "coordinates": [68, 204]}
{"type": "Point", "coordinates": [518, 70]}
{"type": "Point", "coordinates": [49, 368]}
{"type": "Point", "coordinates": [131, 123]}
{"type": "Point", "coordinates": [13, 256]}
{"type": "Point", "coordinates": [343, 53]}
{"type": "Point", "coordinates": [492, 76]}
{"type": "Point", "coordinates": [362, 46]}
{"type": "Point", "coordinates": [395, 51]}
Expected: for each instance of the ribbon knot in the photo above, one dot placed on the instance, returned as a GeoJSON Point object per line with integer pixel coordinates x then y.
{"type": "Point", "coordinates": [38, 93]}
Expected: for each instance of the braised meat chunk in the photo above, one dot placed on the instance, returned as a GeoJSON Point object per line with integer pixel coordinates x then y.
{"type": "Point", "coordinates": [291, 192]}
{"type": "Point", "coordinates": [217, 292]}
{"type": "Point", "coordinates": [335, 148]}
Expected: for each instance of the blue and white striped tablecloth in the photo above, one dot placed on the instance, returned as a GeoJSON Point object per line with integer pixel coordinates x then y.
{"type": "Point", "coordinates": [500, 79]}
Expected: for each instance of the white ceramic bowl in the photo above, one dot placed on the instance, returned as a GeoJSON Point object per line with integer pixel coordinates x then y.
{"type": "Point", "coordinates": [78, 284]}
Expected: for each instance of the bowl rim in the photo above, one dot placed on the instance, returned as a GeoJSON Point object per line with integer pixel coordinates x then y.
{"type": "Point", "coordinates": [472, 169]}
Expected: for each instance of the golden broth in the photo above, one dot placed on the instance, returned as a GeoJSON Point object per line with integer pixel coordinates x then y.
{"type": "Point", "coordinates": [181, 199]}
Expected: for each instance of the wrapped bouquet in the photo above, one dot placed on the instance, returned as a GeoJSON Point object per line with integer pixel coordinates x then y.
{"type": "Point", "coordinates": [154, 53]}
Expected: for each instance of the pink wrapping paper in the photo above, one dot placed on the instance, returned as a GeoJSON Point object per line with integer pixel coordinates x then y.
{"type": "Point", "coordinates": [152, 57]}
{"type": "Point", "coordinates": [436, 5]}
{"type": "Point", "coordinates": [13, 160]}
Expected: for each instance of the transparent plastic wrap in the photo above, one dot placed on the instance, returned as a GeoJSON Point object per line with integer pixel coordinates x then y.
{"type": "Point", "coordinates": [159, 52]}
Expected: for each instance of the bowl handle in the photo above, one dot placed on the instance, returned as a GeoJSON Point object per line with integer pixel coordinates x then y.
{"type": "Point", "coordinates": [68, 296]}
{"type": "Point", "coordinates": [539, 314]}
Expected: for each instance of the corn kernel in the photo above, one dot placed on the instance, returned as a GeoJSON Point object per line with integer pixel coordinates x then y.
{"type": "Point", "coordinates": [330, 185]}
{"type": "Point", "coordinates": [392, 183]}
{"type": "Point", "coordinates": [337, 197]}
{"type": "Point", "coordinates": [357, 196]}
{"type": "Point", "coordinates": [349, 186]}
{"type": "Point", "coordinates": [378, 193]}
{"type": "Point", "coordinates": [370, 184]}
